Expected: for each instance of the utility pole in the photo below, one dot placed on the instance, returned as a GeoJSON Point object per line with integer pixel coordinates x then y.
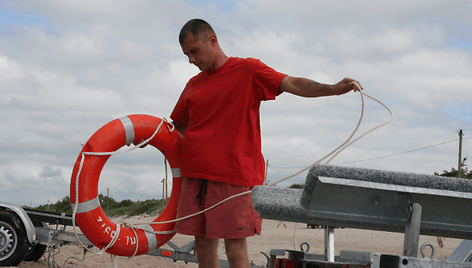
{"type": "Point", "coordinates": [266, 169]}
{"type": "Point", "coordinates": [165, 165]}
{"type": "Point", "coordinates": [108, 199]}
{"type": "Point", "coordinates": [459, 168]}
{"type": "Point", "coordinates": [163, 184]}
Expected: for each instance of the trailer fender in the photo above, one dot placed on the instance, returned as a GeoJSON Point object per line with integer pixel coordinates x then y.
{"type": "Point", "coordinates": [30, 230]}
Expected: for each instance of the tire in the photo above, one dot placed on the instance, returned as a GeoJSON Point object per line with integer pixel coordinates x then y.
{"type": "Point", "coordinates": [35, 253]}
{"type": "Point", "coordinates": [13, 241]}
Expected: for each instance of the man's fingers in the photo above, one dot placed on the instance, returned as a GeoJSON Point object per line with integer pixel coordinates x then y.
{"type": "Point", "coordinates": [356, 85]}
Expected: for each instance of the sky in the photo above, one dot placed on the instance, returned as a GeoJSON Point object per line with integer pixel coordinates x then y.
{"type": "Point", "coordinates": [69, 67]}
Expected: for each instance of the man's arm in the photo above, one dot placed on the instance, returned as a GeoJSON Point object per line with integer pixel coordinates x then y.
{"type": "Point", "coordinates": [308, 88]}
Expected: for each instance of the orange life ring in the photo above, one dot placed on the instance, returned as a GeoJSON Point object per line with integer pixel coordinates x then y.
{"type": "Point", "coordinates": [90, 217]}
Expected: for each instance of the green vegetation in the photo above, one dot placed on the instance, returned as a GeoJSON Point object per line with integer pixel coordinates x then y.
{"type": "Point", "coordinates": [130, 208]}
{"type": "Point", "coordinates": [297, 186]}
{"type": "Point", "coordinates": [465, 173]}
{"type": "Point", "coordinates": [111, 207]}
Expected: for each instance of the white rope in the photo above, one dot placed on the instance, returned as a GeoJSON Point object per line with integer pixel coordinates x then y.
{"type": "Point", "coordinates": [345, 144]}
{"type": "Point", "coordinates": [200, 212]}
{"type": "Point", "coordinates": [130, 225]}
{"type": "Point", "coordinates": [337, 150]}
{"type": "Point", "coordinates": [341, 148]}
{"type": "Point", "coordinates": [113, 261]}
{"type": "Point", "coordinates": [135, 235]}
{"type": "Point", "coordinates": [118, 227]}
{"type": "Point", "coordinates": [171, 129]}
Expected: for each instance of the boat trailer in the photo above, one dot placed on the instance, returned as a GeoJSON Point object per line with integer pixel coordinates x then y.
{"type": "Point", "coordinates": [378, 200]}
{"type": "Point", "coordinates": [343, 197]}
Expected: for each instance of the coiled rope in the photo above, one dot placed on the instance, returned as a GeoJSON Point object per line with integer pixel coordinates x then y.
{"type": "Point", "coordinates": [343, 146]}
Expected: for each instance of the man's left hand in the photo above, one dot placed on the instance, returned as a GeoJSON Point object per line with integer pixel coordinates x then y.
{"type": "Point", "coordinates": [346, 85]}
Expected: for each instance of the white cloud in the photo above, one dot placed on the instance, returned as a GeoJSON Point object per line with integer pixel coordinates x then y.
{"type": "Point", "coordinates": [49, 171]}
{"type": "Point", "coordinates": [97, 61]}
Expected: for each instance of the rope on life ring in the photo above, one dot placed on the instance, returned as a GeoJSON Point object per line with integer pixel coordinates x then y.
{"type": "Point", "coordinates": [88, 213]}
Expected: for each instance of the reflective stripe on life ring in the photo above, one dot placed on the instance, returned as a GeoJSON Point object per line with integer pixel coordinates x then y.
{"type": "Point", "coordinates": [90, 217]}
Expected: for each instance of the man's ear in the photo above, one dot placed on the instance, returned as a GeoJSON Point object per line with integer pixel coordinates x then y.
{"type": "Point", "coordinates": [213, 39]}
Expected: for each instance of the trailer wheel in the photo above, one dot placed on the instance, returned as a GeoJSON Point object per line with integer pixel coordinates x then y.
{"type": "Point", "coordinates": [13, 241]}
{"type": "Point", "coordinates": [35, 253]}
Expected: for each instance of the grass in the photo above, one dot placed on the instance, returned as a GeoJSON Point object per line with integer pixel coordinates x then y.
{"type": "Point", "coordinates": [111, 207]}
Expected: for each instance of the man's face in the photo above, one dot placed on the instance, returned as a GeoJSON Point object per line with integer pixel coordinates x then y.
{"type": "Point", "coordinates": [199, 51]}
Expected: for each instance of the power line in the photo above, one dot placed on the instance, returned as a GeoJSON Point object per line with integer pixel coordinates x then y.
{"type": "Point", "coordinates": [414, 150]}
{"type": "Point", "coordinates": [385, 156]}
{"type": "Point", "coordinates": [422, 142]}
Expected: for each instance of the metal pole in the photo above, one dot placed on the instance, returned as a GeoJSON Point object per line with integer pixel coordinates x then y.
{"type": "Point", "coordinates": [329, 243]}
{"type": "Point", "coordinates": [459, 166]}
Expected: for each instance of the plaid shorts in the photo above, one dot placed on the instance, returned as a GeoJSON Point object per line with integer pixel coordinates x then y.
{"type": "Point", "coordinates": [233, 219]}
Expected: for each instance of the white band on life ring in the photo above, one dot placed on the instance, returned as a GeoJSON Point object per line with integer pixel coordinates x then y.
{"type": "Point", "coordinates": [87, 205]}
{"type": "Point", "coordinates": [151, 238]}
{"type": "Point", "coordinates": [176, 172]}
{"type": "Point", "coordinates": [129, 129]}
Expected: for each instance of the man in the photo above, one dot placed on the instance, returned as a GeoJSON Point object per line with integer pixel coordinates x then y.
{"type": "Point", "coordinates": [218, 115]}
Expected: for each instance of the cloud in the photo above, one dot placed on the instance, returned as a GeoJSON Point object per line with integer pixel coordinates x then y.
{"type": "Point", "coordinates": [79, 65]}
{"type": "Point", "coordinates": [48, 171]}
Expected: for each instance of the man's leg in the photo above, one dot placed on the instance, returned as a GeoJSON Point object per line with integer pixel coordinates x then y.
{"type": "Point", "coordinates": [207, 252]}
{"type": "Point", "coordinates": [236, 251]}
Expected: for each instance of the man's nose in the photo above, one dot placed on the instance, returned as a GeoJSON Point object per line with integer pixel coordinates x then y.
{"type": "Point", "coordinates": [191, 59]}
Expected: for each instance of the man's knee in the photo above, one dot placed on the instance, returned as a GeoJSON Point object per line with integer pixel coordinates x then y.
{"type": "Point", "coordinates": [207, 251]}
{"type": "Point", "coordinates": [236, 248]}
{"type": "Point", "coordinates": [205, 243]}
{"type": "Point", "coordinates": [236, 251]}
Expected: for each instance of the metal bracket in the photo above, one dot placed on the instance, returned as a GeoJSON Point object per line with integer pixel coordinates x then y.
{"type": "Point", "coordinates": [463, 252]}
{"type": "Point", "coordinates": [412, 231]}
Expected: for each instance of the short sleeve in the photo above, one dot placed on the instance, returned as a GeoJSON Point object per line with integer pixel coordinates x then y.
{"type": "Point", "coordinates": [266, 80]}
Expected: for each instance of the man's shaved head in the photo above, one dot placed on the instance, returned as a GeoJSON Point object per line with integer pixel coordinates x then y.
{"type": "Point", "coordinates": [195, 26]}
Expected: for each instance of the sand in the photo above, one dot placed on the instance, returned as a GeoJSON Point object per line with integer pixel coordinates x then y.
{"type": "Point", "coordinates": [271, 238]}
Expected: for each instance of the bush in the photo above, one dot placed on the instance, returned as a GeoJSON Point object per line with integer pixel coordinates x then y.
{"type": "Point", "coordinates": [124, 207]}
{"type": "Point", "coordinates": [297, 186]}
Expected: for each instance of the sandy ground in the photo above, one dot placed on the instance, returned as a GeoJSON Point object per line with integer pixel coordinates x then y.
{"type": "Point", "coordinates": [271, 238]}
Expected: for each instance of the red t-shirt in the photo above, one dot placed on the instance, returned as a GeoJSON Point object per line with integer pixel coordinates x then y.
{"type": "Point", "coordinates": [221, 108]}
